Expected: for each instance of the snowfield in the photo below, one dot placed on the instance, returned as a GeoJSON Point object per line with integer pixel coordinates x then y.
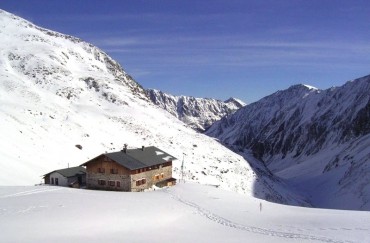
{"type": "Point", "coordinates": [183, 213]}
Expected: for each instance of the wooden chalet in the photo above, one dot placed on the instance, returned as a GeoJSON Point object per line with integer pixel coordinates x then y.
{"type": "Point", "coordinates": [130, 170]}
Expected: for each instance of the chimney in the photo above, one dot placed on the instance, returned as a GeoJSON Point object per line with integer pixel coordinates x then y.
{"type": "Point", "coordinates": [142, 148]}
{"type": "Point", "coordinates": [125, 148]}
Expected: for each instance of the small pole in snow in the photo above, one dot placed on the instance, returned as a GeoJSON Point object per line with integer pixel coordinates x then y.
{"type": "Point", "coordinates": [260, 206]}
{"type": "Point", "coordinates": [182, 168]}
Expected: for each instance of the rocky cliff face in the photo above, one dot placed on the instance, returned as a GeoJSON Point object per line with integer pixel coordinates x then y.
{"type": "Point", "coordinates": [198, 113]}
{"type": "Point", "coordinates": [310, 137]}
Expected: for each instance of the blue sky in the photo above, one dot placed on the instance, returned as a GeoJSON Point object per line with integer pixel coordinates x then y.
{"type": "Point", "coordinates": [218, 49]}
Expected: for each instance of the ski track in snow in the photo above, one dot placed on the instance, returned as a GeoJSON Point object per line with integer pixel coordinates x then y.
{"type": "Point", "coordinates": [30, 192]}
{"type": "Point", "coordinates": [220, 220]}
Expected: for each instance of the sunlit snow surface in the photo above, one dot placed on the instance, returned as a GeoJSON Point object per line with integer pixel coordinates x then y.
{"type": "Point", "coordinates": [183, 213]}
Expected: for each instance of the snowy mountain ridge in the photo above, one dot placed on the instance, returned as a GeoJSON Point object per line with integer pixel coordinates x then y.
{"type": "Point", "coordinates": [40, 73]}
{"type": "Point", "coordinates": [316, 140]}
{"type": "Point", "coordinates": [57, 92]}
{"type": "Point", "coordinates": [198, 113]}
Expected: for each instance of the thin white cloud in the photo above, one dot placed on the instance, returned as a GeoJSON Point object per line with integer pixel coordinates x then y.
{"type": "Point", "coordinates": [223, 42]}
{"type": "Point", "coordinates": [167, 50]}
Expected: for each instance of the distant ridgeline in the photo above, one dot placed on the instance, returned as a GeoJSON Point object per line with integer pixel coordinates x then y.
{"type": "Point", "coordinates": [198, 113]}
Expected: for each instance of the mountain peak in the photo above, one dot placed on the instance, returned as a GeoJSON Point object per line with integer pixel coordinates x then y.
{"type": "Point", "coordinates": [296, 91]}
{"type": "Point", "coordinates": [236, 102]}
{"type": "Point", "coordinates": [302, 87]}
{"type": "Point", "coordinates": [310, 87]}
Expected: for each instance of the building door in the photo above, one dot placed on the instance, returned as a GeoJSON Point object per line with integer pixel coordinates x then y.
{"type": "Point", "coordinates": [56, 181]}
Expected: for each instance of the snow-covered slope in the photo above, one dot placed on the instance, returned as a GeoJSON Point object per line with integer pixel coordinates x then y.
{"type": "Point", "coordinates": [317, 140]}
{"type": "Point", "coordinates": [57, 92]}
{"type": "Point", "coordinates": [184, 213]}
{"type": "Point", "coordinates": [199, 113]}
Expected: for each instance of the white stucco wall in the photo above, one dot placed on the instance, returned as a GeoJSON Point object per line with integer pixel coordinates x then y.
{"type": "Point", "coordinates": [62, 181]}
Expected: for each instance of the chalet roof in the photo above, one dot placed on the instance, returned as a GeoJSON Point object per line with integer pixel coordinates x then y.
{"type": "Point", "coordinates": [137, 158]}
{"type": "Point", "coordinates": [70, 172]}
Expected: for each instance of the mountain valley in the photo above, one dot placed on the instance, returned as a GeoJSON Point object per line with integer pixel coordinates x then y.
{"type": "Point", "coordinates": [299, 146]}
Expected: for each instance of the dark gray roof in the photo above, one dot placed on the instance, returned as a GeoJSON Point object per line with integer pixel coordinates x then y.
{"type": "Point", "coordinates": [137, 158]}
{"type": "Point", "coordinates": [70, 172]}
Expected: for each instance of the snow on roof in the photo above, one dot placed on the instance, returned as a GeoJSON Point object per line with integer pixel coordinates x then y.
{"type": "Point", "coordinates": [167, 158]}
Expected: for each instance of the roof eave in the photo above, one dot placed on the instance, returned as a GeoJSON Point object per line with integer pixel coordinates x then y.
{"type": "Point", "coordinates": [84, 164]}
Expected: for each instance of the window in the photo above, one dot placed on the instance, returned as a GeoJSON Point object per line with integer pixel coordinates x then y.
{"type": "Point", "coordinates": [112, 183]}
{"type": "Point", "coordinates": [140, 182]}
{"type": "Point", "coordinates": [52, 180]}
{"type": "Point", "coordinates": [101, 182]}
{"type": "Point", "coordinates": [162, 175]}
{"type": "Point", "coordinates": [118, 183]}
{"type": "Point", "coordinates": [114, 171]}
{"type": "Point", "coordinates": [101, 170]}
{"type": "Point", "coordinates": [156, 177]}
